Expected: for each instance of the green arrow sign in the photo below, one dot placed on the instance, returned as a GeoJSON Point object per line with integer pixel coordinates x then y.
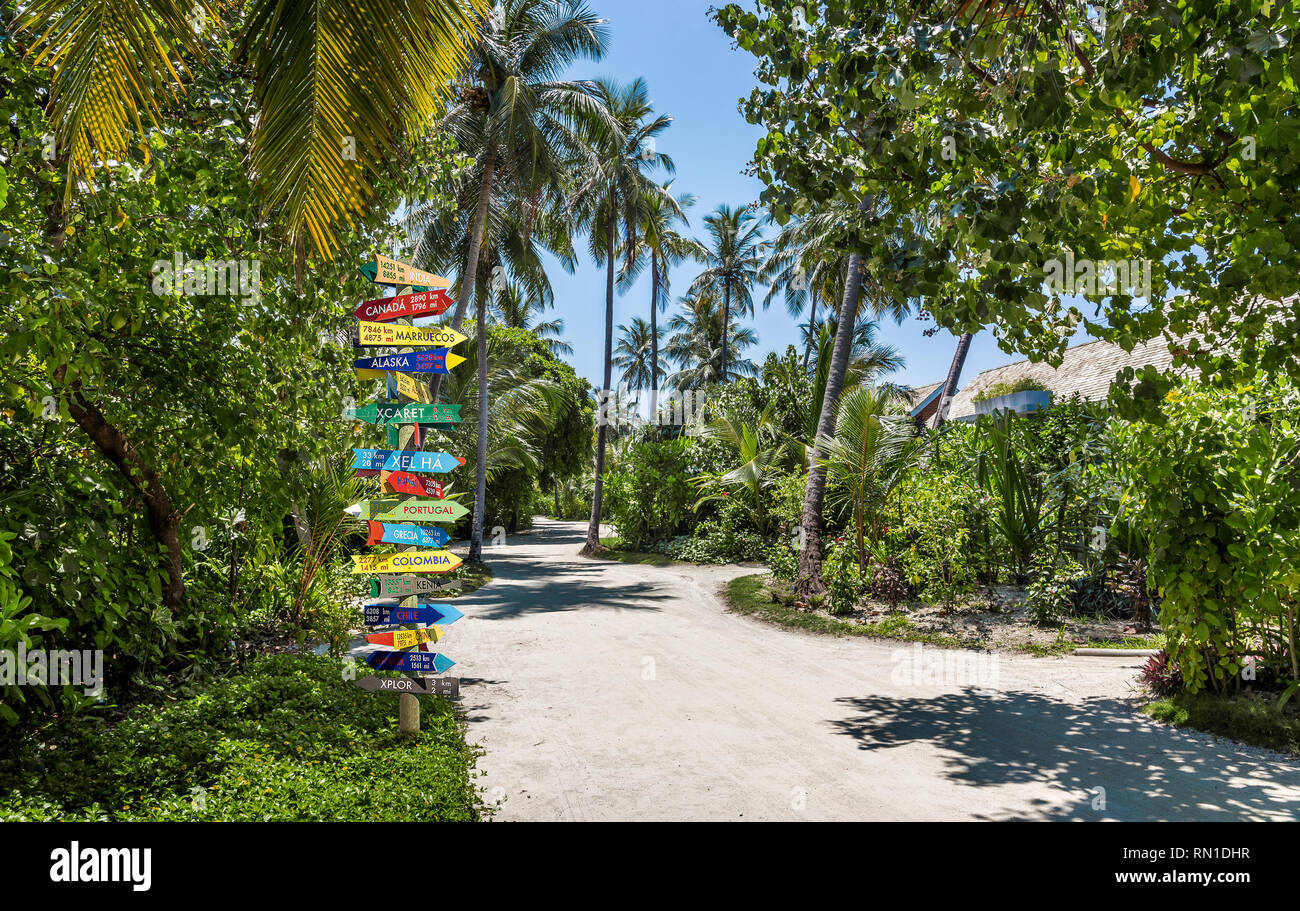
{"type": "Point", "coordinates": [408, 413]}
{"type": "Point", "coordinates": [412, 510]}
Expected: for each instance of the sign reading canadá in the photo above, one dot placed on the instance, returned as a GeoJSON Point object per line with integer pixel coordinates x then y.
{"type": "Point", "coordinates": [421, 303]}
{"type": "Point", "coordinates": [412, 511]}
{"type": "Point", "coordinates": [371, 335]}
{"type": "Point", "coordinates": [410, 561]}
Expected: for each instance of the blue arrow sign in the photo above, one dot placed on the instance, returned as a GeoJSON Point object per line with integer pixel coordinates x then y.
{"type": "Point", "coordinates": [429, 614]}
{"type": "Point", "coordinates": [404, 460]}
{"type": "Point", "coordinates": [414, 662]}
{"type": "Point", "coordinates": [396, 533]}
{"type": "Point", "coordinates": [433, 360]}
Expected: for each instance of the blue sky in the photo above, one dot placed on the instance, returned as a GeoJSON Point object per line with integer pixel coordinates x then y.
{"type": "Point", "coordinates": [695, 76]}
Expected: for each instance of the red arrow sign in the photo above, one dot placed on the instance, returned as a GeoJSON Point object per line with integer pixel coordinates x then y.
{"type": "Point", "coordinates": [413, 485]}
{"type": "Point", "coordinates": [422, 303]}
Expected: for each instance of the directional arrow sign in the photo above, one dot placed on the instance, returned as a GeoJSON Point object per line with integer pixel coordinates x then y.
{"type": "Point", "coordinates": [384, 271]}
{"type": "Point", "coordinates": [412, 510]}
{"type": "Point", "coordinates": [415, 662]}
{"type": "Point", "coordinates": [406, 638]}
{"type": "Point", "coordinates": [405, 460]}
{"type": "Point", "coordinates": [404, 586]}
{"type": "Point", "coordinates": [435, 360]}
{"type": "Point", "coordinates": [410, 561]}
{"type": "Point", "coordinates": [422, 303]}
{"type": "Point", "coordinates": [412, 485]}
{"type": "Point", "coordinates": [381, 335]}
{"type": "Point", "coordinates": [429, 686]}
{"type": "Point", "coordinates": [415, 535]}
{"type": "Point", "coordinates": [392, 614]}
{"type": "Point", "coordinates": [404, 413]}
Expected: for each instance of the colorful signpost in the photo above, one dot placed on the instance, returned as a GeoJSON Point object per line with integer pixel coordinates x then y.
{"type": "Point", "coordinates": [404, 413]}
{"type": "Point", "coordinates": [447, 687]}
{"type": "Point", "coordinates": [414, 535]}
{"type": "Point", "coordinates": [406, 638]}
{"type": "Point", "coordinates": [409, 561]}
{"type": "Point", "coordinates": [384, 271]}
{"type": "Point", "coordinates": [405, 460]}
{"type": "Point", "coordinates": [401, 468]}
{"type": "Point", "coordinates": [405, 586]}
{"type": "Point", "coordinates": [394, 614]}
{"type": "Point", "coordinates": [421, 303]}
{"type": "Point", "coordinates": [434, 360]}
{"type": "Point", "coordinates": [395, 335]}
{"type": "Point", "coordinates": [412, 510]}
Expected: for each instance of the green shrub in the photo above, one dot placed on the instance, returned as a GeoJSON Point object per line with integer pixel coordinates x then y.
{"type": "Point", "coordinates": [1024, 384]}
{"type": "Point", "coordinates": [649, 497]}
{"type": "Point", "coordinates": [1050, 590]}
{"type": "Point", "coordinates": [843, 578]}
{"type": "Point", "coordinates": [783, 561]}
{"type": "Point", "coordinates": [930, 542]}
{"type": "Point", "coordinates": [290, 739]}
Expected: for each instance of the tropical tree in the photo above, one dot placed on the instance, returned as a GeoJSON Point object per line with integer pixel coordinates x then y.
{"type": "Point", "coordinates": [696, 344]}
{"type": "Point", "coordinates": [337, 87]}
{"type": "Point", "coordinates": [620, 152]}
{"type": "Point", "coordinates": [755, 472]}
{"type": "Point", "coordinates": [732, 261]}
{"type": "Point", "coordinates": [873, 446]}
{"type": "Point", "coordinates": [512, 306]}
{"type": "Point", "coordinates": [635, 355]}
{"type": "Point", "coordinates": [664, 247]}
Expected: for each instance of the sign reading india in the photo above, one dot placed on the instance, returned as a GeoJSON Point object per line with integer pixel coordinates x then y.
{"type": "Point", "coordinates": [412, 460]}
{"type": "Point", "coordinates": [410, 561]}
{"type": "Point", "coordinates": [371, 335]}
{"type": "Point", "coordinates": [406, 638]}
{"type": "Point", "coordinates": [436, 360]}
{"type": "Point", "coordinates": [408, 413]}
{"type": "Point", "coordinates": [384, 271]}
{"type": "Point", "coordinates": [392, 614]}
{"type": "Point", "coordinates": [422, 303]}
{"type": "Point", "coordinates": [415, 535]}
{"type": "Point", "coordinates": [412, 511]}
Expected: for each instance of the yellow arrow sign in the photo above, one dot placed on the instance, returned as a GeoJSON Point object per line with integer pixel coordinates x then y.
{"type": "Point", "coordinates": [397, 336]}
{"type": "Point", "coordinates": [391, 272]}
{"type": "Point", "coordinates": [411, 561]}
{"type": "Point", "coordinates": [406, 638]}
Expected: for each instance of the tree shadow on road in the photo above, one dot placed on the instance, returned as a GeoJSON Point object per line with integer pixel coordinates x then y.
{"type": "Point", "coordinates": [1148, 772]}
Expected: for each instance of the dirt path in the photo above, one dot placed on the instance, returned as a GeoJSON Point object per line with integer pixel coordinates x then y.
{"type": "Point", "coordinates": [602, 690]}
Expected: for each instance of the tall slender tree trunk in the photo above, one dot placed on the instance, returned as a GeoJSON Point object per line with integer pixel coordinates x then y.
{"type": "Point", "coordinates": [809, 581]}
{"type": "Point", "coordinates": [467, 275]}
{"type": "Point", "coordinates": [480, 468]}
{"type": "Point", "coordinates": [812, 325]}
{"type": "Point", "coordinates": [593, 527]}
{"type": "Point", "coordinates": [954, 375]}
{"type": "Point", "coordinates": [726, 328]}
{"type": "Point", "coordinates": [654, 335]}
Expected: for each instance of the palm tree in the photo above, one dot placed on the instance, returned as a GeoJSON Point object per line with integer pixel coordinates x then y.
{"type": "Point", "coordinates": [355, 75]}
{"type": "Point", "coordinates": [754, 473]}
{"type": "Point", "coordinates": [696, 345]}
{"type": "Point", "coordinates": [732, 263]}
{"type": "Point", "coordinates": [664, 248]}
{"type": "Point", "coordinates": [636, 352]}
{"type": "Point", "coordinates": [514, 307]}
{"type": "Point", "coordinates": [620, 151]}
{"type": "Point", "coordinates": [873, 446]}
{"type": "Point", "coordinates": [514, 114]}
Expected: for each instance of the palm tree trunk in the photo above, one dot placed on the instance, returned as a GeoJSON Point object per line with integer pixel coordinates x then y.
{"type": "Point", "coordinates": [812, 324]}
{"type": "Point", "coordinates": [954, 374]}
{"type": "Point", "coordinates": [480, 468]}
{"type": "Point", "coordinates": [726, 326]}
{"type": "Point", "coordinates": [593, 527]}
{"type": "Point", "coordinates": [654, 334]}
{"type": "Point", "coordinates": [809, 580]}
{"type": "Point", "coordinates": [471, 256]}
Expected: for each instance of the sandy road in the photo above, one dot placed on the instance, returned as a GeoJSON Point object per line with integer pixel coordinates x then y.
{"type": "Point", "coordinates": [602, 690]}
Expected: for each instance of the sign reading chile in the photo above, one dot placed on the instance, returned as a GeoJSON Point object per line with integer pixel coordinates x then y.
{"type": "Point", "coordinates": [391, 615]}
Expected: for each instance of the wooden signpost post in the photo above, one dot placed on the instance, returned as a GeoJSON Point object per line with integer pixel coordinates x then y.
{"type": "Point", "coordinates": [403, 470]}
